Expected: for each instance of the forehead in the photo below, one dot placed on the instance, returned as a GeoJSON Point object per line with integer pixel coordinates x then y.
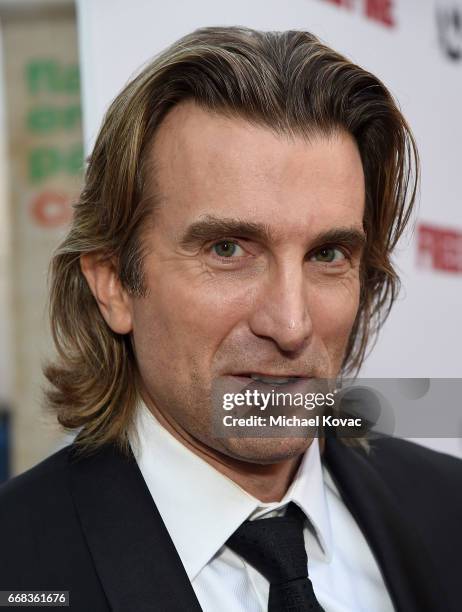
{"type": "Point", "coordinates": [207, 163]}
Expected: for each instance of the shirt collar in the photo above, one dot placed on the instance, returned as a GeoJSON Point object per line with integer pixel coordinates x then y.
{"type": "Point", "coordinates": [201, 508]}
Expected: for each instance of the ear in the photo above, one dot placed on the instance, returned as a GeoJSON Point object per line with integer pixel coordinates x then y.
{"type": "Point", "coordinates": [113, 300]}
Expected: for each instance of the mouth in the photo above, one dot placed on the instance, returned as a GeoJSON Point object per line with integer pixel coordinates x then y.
{"type": "Point", "coordinates": [270, 379]}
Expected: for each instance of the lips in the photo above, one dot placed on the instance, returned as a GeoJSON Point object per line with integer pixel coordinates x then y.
{"type": "Point", "coordinates": [264, 383]}
{"type": "Point", "coordinates": [274, 380]}
{"type": "Point", "coordinates": [271, 379]}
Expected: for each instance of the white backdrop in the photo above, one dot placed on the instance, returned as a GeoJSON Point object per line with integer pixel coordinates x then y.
{"type": "Point", "coordinates": [415, 47]}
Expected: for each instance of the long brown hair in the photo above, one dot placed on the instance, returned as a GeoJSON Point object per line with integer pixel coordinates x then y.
{"type": "Point", "coordinates": [287, 81]}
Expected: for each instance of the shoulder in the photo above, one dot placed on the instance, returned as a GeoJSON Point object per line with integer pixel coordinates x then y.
{"type": "Point", "coordinates": [42, 544]}
{"type": "Point", "coordinates": [418, 474]}
{"type": "Point", "coordinates": [37, 499]}
{"type": "Point", "coordinates": [37, 486]}
{"type": "Point", "coordinates": [397, 456]}
{"type": "Point", "coordinates": [37, 520]}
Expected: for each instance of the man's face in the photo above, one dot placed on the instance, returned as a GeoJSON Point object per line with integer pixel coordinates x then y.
{"type": "Point", "coordinates": [252, 268]}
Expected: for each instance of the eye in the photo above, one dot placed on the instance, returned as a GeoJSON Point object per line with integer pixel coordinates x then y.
{"type": "Point", "coordinates": [329, 255]}
{"type": "Point", "coordinates": [227, 248]}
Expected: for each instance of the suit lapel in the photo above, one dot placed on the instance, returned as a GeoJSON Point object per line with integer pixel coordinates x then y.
{"type": "Point", "coordinates": [134, 556]}
{"type": "Point", "coordinates": [406, 565]}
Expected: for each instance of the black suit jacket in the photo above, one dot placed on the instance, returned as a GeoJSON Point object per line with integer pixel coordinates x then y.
{"type": "Point", "coordinates": [89, 526]}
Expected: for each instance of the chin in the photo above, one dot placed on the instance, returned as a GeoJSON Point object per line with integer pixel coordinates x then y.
{"type": "Point", "coordinates": [264, 450]}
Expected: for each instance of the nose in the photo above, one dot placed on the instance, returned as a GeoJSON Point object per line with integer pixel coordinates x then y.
{"type": "Point", "coordinates": [281, 310]}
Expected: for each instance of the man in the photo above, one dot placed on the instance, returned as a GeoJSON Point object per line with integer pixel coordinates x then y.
{"type": "Point", "coordinates": [239, 212]}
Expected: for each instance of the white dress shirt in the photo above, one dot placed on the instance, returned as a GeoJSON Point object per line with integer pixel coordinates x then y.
{"type": "Point", "coordinates": [202, 508]}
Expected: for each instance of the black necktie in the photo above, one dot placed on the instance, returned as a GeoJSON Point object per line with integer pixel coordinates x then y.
{"type": "Point", "coordinates": [276, 548]}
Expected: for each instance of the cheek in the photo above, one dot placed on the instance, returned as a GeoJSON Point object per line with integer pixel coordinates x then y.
{"type": "Point", "coordinates": [333, 311]}
{"type": "Point", "coordinates": [187, 321]}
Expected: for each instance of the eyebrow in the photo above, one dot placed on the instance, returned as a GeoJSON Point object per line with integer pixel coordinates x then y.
{"type": "Point", "coordinates": [212, 228]}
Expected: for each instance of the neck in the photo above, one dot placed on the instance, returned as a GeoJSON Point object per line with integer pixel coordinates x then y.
{"type": "Point", "coordinates": [267, 482]}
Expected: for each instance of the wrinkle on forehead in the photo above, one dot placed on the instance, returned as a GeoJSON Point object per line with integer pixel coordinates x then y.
{"type": "Point", "coordinates": [209, 160]}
